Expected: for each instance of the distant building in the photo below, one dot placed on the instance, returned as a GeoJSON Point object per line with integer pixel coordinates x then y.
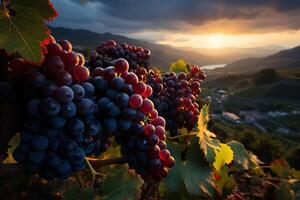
{"type": "Point", "coordinates": [231, 117]}
{"type": "Point", "coordinates": [251, 116]}
{"type": "Point", "coordinates": [277, 114]}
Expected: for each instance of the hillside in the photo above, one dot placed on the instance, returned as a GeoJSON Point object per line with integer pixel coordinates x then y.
{"type": "Point", "coordinates": [231, 54]}
{"type": "Point", "coordinates": [284, 59]}
{"type": "Point", "coordinates": [161, 55]}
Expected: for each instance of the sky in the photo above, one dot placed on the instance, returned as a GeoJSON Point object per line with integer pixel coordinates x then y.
{"type": "Point", "coordinates": [188, 23]}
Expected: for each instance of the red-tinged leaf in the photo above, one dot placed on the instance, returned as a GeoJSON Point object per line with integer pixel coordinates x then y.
{"type": "Point", "coordinates": [23, 28]}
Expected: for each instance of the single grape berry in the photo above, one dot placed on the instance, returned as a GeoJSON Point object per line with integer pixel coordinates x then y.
{"type": "Point", "coordinates": [81, 73]}
{"type": "Point", "coordinates": [135, 101]}
{"type": "Point", "coordinates": [121, 65]}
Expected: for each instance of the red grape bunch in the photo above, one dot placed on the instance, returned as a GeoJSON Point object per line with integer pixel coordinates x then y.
{"type": "Point", "coordinates": [128, 114]}
{"type": "Point", "coordinates": [175, 97]}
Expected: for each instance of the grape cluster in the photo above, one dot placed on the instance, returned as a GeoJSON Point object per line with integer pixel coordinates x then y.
{"type": "Point", "coordinates": [175, 97]}
{"type": "Point", "coordinates": [70, 114]}
{"type": "Point", "coordinates": [60, 127]}
{"type": "Point", "coordinates": [131, 118]}
{"type": "Point", "coordinates": [105, 54]}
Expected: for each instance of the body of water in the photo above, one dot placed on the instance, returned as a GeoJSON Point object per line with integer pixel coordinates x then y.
{"type": "Point", "coordinates": [213, 66]}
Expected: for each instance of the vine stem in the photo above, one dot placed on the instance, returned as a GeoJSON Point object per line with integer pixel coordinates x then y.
{"type": "Point", "coordinates": [101, 163]}
{"type": "Point", "coordinates": [181, 136]}
{"type": "Point", "coordinates": [79, 180]}
{"type": "Point", "coordinates": [93, 172]}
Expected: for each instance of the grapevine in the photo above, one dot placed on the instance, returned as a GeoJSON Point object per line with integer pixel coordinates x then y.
{"type": "Point", "coordinates": [138, 132]}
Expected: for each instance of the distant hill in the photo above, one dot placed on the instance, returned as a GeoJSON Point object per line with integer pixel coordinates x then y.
{"type": "Point", "coordinates": [284, 59]}
{"type": "Point", "coordinates": [161, 55]}
{"type": "Point", "coordinates": [231, 54]}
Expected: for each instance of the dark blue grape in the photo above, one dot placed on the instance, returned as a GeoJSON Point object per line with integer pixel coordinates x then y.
{"type": "Point", "coordinates": [110, 93]}
{"type": "Point", "coordinates": [85, 106]}
{"type": "Point", "coordinates": [117, 83]}
{"type": "Point", "coordinates": [39, 142]}
{"type": "Point", "coordinates": [79, 91]}
{"type": "Point", "coordinates": [56, 121]}
{"type": "Point", "coordinates": [50, 106]}
{"type": "Point", "coordinates": [129, 113]}
{"type": "Point", "coordinates": [64, 94]}
{"type": "Point", "coordinates": [53, 160]}
{"type": "Point", "coordinates": [68, 110]}
{"type": "Point", "coordinates": [100, 83]}
{"type": "Point", "coordinates": [112, 110]}
{"type": "Point", "coordinates": [68, 147]}
{"type": "Point", "coordinates": [75, 127]}
{"type": "Point", "coordinates": [88, 89]}
{"type": "Point", "coordinates": [93, 128]}
{"type": "Point", "coordinates": [103, 102]}
{"type": "Point", "coordinates": [122, 100]}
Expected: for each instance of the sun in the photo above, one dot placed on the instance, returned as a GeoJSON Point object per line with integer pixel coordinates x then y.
{"type": "Point", "coordinates": [215, 41]}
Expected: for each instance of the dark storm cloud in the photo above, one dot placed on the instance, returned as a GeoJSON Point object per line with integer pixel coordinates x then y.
{"type": "Point", "coordinates": [132, 15]}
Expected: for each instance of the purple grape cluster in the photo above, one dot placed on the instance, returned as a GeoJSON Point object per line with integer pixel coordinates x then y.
{"type": "Point", "coordinates": [175, 97]}
{"type": "Point", "coordinates": [130, 117]}
{"type": "Point", "coordinates": [105, 54]}
{"type": "Point", "coordinates": [60, 126]}
{"type": "Point", "coordinates": [68, 118]}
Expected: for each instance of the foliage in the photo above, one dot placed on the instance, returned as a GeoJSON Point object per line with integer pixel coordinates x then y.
{"type": "Point", "coordinates": [193, 172]}
{"type": "Point", "coordinates": [120, 183]}
{"type": "Point", "coordinates": [266, 76]}
{"type": "Point", "coordinates": [179, 66]}
{"type": "Point", "coordinates": [206, 167]}
{"type": "Point", "coordinates": [22, 26]}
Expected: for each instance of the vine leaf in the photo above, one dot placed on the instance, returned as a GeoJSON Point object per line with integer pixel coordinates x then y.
{"type": "Point", "coordinates": [224, 182]}
{"type": "Point", "coordinates": [193, 173]}
{"type": "Point", "coordinates": [75, 193]}
{"type": "Point", "coordinates": [179, 66]}
{"type": "Point", "coordinates": [13, 144]}
{"type": "Point", "coordinates": [120, 184]}
{"type": "Point", "coordinates": [243, 159]}
{"type": "Point", "coordinates": [206, 137]}
{"type": "Point", "coordinates": [223, 156]}
{"type": "Point", "coordinates": [22, 27]}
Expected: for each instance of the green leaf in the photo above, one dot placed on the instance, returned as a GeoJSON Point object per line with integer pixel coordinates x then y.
{"type": "Point", "coordinates": [25, 30]}
{"type": "Point", "coordinates": [224, 182]}
{"type": "Point", "coordinates": [75, 193]}
{"type": "Point", "coordinates": [13, 144]}
{"type": "Point", "coordinates": [223, 156]}
{"type": "Point", "coordinates": [242, 159]}
{"type": "Point", "coordinates": [194, 172]}
{"type": "Point", "coordinates": [179, 66]}
{"type": "Point", "coordinates": [120, 184]}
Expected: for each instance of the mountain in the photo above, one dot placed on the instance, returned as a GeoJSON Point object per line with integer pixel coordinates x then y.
{"type": "Point", "coordinates": [284, 59]}
{"type": "Point", "coordinates": [161, 55]}
{"type": "Point", "coordinates": [231, 54]}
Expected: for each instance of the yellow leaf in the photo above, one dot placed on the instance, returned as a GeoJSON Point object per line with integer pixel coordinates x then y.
{"type": "Point", "coordinates": [223, 156]}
